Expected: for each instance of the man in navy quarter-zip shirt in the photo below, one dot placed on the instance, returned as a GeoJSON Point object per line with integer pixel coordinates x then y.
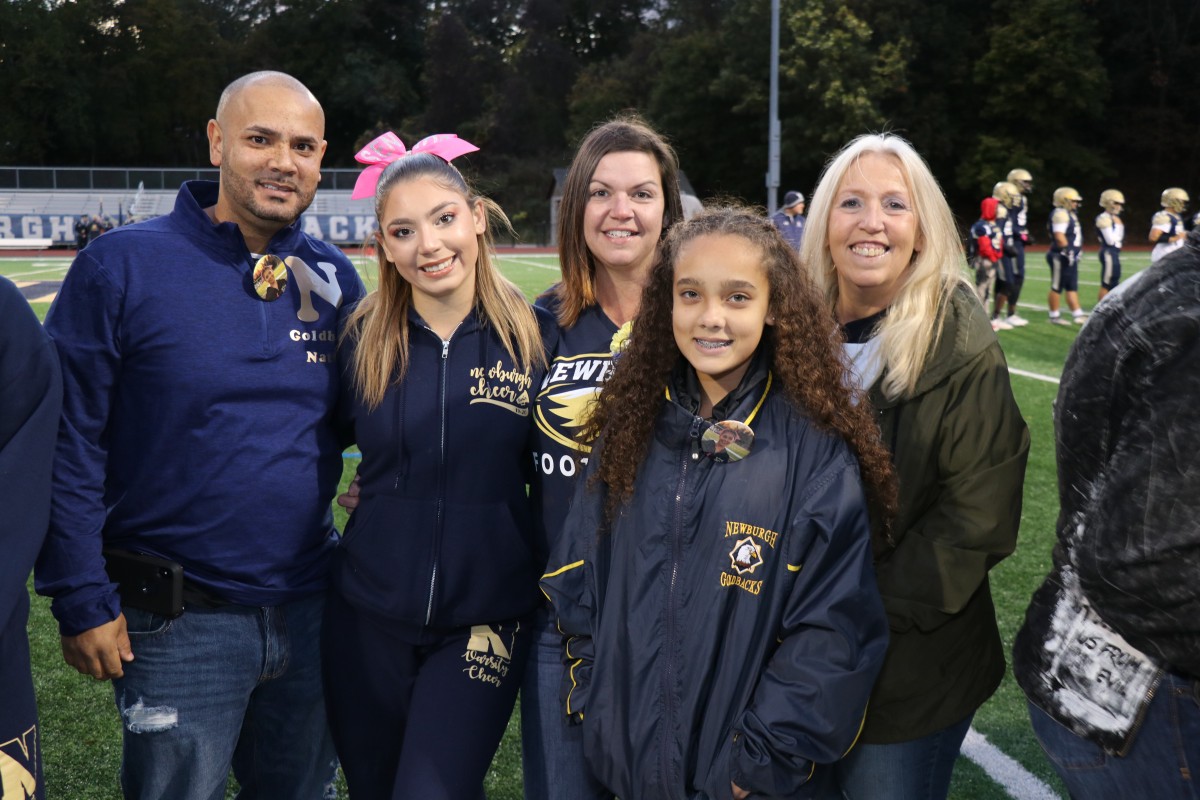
{"type": "Point", "coordinates": [200, 375]}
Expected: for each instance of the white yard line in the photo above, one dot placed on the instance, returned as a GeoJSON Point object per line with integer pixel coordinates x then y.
{"type": "Point", "coordinates": [1035, 375]}
{"type": "Point", "coordinates": [524, 262]}
{"type": "Point", "coordinates": [43, 271]}
{"type": "Point", "coordinates": [1020, 783]}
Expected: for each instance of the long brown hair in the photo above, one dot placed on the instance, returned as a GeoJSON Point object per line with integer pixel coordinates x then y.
{"type": "Point", "coordinates": [379, 324]}
{"type": "Point", "coordinates": [806, 357]}
{"type": "Point", "coordinates": [628, 133]}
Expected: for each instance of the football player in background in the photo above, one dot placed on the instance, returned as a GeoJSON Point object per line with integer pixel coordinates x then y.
{"type": "Point", "coordinates": [1066, 246]}
{"type": "Point", "coordinates": [987, 242]}
{"type": "Point", "coordinates": [1020, 211]}
{"type": "Point", "coordinates": [1010, 275]}
{"type": "Point", "coordinates": [1112, 234]}
{"type": "Point", "coordinates": [1166, 228]}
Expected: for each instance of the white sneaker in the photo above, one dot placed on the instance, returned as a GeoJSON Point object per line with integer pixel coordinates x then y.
{"type": "Point", "coordinates": [1079, 319]}
{"type": "Point", "coordinates": [1000, 325]}
{"type": "Point", "coordinates": [1015, 321]}
{"type": "Point", "coordinates": [1059, 321]}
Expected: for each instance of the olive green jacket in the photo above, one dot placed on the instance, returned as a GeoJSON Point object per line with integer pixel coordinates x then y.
{"type": "Point", "coordinates": [959, 445]}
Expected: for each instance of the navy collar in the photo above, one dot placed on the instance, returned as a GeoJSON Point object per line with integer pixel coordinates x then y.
{"type": "Point", "coordinates": [685, 386]}
{"type": "Point", "coordinates": [196, 196]}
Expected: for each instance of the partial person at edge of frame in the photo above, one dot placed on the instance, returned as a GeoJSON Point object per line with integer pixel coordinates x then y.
{"type": "Point", "coordinates": [427, 629]}
{"type": "Point", "coordinates": [883, 248]}
{"type": "Point", "coordinates": [753, 664]}
{"type": "Point", "coordinates": [30, 404]}
{"type": "Point", "coordinates": [620, 198]}
{"type": "Point", "coordinates": [1167, 230]}
{"type": "Point", "coordinates": [176, 405]}
{"type": "Point", "coordinates": [1109, 654]}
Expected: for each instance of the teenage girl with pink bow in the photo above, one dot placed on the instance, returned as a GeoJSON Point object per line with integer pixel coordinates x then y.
{"type": "Point", "coordinates": [426, 632]}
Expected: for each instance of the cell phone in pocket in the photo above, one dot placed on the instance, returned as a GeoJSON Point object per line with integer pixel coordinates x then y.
{"type": "Point", "coordinates": [146, 582]}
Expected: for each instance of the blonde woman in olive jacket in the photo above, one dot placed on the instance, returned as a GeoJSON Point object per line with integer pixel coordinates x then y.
{"type": "Point", "coordinates": [883, 246]}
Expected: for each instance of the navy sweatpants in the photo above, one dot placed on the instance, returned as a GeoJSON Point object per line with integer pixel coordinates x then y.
{"type": "Point", "coordinates": [418, 713]}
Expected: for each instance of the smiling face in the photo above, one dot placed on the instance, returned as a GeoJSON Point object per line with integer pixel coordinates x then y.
{"type": "Point", "coordinates": [720, 307]}
{"type": "Point", "coordinates": [873, 234]}
{"type": "Point", "coordinates": [430, 233]}
{"type": "Point", "coordinates": [268, 144]}
{"type": "Point", "coordinates": [623, 217]}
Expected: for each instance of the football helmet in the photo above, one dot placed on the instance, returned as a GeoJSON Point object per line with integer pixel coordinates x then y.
{"type": "Point", "coordinates": [1022, 179]}
{"type": "Point", "coordinates": [1064, 195]}
{"type": "Point", "coordinates": [1110, 198]}
{"type": "Point", "coordinates": [1007, 193]}
{"type": "Point", "coordinates": [1175, 199]}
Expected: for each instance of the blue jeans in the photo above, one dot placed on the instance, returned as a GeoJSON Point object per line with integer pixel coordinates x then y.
{"type": "Point", "coordinates": [1163, 761]}
{"type": "Point", "coordinates": [551, 750]}
{"type": "Point", "coordinates": [915, 770]}
{"type": "Point", "coordinates": [235, 686]}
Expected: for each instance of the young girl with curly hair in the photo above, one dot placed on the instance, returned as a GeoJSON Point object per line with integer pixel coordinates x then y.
{"type": "Point", "coordinates": [714, 576]}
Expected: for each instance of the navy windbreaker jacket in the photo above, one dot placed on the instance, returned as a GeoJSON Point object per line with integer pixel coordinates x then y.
{"type": "Point", "coordinates": [727, 627]}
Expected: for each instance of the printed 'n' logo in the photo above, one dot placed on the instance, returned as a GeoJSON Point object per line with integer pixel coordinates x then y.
{"type": "Point", "coordinates": [488, 657]}
{"type": "Point", "coordinates": [309, 282]}
{"type": "Point", "coordinates": [484, 640]}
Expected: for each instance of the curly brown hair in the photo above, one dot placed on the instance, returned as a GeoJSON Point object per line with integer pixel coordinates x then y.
{"type": "Point", "coordinates": [807, 359]}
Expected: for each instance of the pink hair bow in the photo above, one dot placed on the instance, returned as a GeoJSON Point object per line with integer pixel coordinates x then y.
{"type": "Point", "coordinates": [388, 148]}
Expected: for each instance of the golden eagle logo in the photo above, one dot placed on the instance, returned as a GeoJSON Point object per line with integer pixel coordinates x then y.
{"type": "Point", "coordinates": [561, 413]}
{"type": "Point", "coordinates": [746, 556]}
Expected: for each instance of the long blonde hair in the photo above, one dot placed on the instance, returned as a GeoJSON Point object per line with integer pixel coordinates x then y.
{"type": "Point", "coordinates": [379, 325]}
{"type": "Point", "coordinates": [917, 314]}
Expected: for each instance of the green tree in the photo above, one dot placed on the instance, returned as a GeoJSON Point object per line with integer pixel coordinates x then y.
{"type": "Point", "coordinates": [841, 67]}
{"type": "Point", "coordinates": [50, 59]}
{"type": "Point", "coordinates": [361, 58]}
{"type": "Point", "coordinates": [1042, 91]}
{"type": "Point", "coordinates": [1149, 136]}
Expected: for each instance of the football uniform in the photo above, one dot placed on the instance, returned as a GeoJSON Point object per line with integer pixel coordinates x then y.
{"type": "Point", "coordinates": [1111, 231]}
{"type": "Point", "coordinates": [1171, 224]}
{"type": "Point", "coordinates": [1064, 261]}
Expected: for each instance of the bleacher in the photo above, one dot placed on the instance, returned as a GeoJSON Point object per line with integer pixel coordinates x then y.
{"type": "Point", "coordinates": [37, 203]}
{"type": "Point", "coordinates": [143, 204]}
{"type": "Point", "coordinates": [32, 219]}
{"type": "Point", "coordinates": [76, 203]}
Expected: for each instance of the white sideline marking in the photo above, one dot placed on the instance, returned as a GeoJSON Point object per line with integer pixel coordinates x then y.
{"type": "Point", "coordinates": [522, 261]}
{"type": "Point", "coordinates": [14, 276]}
{"type": "Point", "coordinates": [1020, 783]}
{"type": "Point", "coordinates": [1036, 376]}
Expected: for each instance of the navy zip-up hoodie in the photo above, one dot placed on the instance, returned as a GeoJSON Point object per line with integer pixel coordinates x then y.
{"type": "Point", "coordinates": [197, 419]}
{"type": "Point", "coordinates": [443, 534]}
